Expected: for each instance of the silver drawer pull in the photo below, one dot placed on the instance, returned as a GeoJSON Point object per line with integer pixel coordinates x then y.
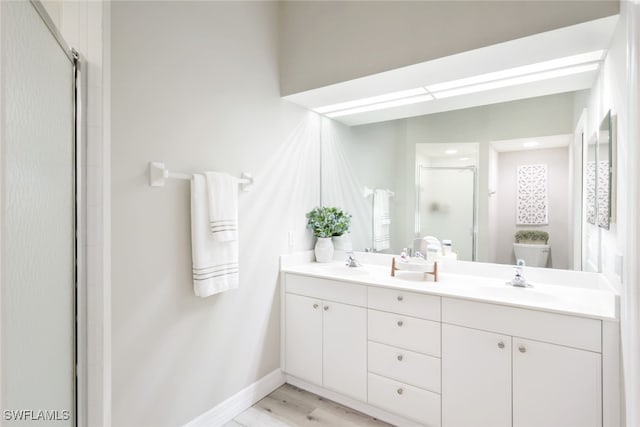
{"type": "Point", "coordinates": [400, 322]}
{"type": "Point", "coordinates": [326, 307]}
{"type": "Point", "coordinates": [315, 305]}
{"type": "Point", "coordinates": [522, 349]}
{"type": "Point", "coordinates": [400, 297]}
{"type": "Point", "coordinates": [500, 344]}
{"type": "Point", "coordinates": [399, 391]}
{"type": "Point", "coordinates": [400, 358]}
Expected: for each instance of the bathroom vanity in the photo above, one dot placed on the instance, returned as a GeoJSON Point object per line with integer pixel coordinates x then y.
{"type": "Point", "coordinates": [465, 351]}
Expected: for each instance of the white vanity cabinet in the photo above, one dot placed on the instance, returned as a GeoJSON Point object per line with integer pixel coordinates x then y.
{"type": "Point", "coordinates": [326, 334]}
{"type": "Point", "coordinates": [476, 378]}
{"type": "Point", "coordinates": [493, 377]}
{"type": "Point", "coordinates": [413, 358]}
{"type": "Point", "coordinates": [404, 354]}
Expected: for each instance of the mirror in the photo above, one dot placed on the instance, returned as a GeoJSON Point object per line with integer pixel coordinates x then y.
{"type": "Point", "coordinates": [604, 173]}
{"type": "Point", "coordinates": [590, 234]}
{"type": "Point", "coordinates": [519, 172]}
{"type": "Point", "coordinates": [590, 180]}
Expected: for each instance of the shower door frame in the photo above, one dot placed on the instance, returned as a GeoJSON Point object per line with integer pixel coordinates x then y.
{"type": "Point", "coordinates": [78, 325]}
{"type": "Point", "coordinates": [418, 221]}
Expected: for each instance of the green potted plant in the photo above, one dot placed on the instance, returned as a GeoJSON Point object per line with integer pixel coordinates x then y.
{"type": "Point", "coordinates": [534, 237]}
{"type": "Point", "coordinates": [326, 222]}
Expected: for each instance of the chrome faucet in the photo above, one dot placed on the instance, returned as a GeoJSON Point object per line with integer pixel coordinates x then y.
{"type": "Point", "coordinates": [351, 260]}
{"type": "Point", "coordinates": [519, 279]}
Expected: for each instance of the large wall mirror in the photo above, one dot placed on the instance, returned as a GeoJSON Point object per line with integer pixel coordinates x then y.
{"type": "Point", "coordinates": [474, 176]}
{"type": "Point", "coordinates": [505, 171]}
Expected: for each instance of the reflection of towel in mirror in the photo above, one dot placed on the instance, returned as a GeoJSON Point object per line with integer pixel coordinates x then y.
{"type": "Point", "coordinates": [215, 263]}
{"type": "Point", "coordinates": [381, 220]}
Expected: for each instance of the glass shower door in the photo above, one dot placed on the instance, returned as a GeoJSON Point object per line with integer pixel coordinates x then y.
{"type": "Point", "coordinates": [446, 203]}
{"type": "Point", "coordinates": [38, 223]}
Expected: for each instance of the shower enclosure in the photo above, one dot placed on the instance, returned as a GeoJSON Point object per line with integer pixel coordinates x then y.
{"type": "Point", "coordinates": [39, 219]}
{"type": "Point", "coordinates": [446, 207]}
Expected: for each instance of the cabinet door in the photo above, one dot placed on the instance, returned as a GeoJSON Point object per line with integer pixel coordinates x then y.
{"type": "Point", "coordinates": [345, 349]}
{"type": "Point", "coordinates": [476, 378]}
{"type": "Point", "coordinates": [303, 338]}
{"type": "Point", "coordinates": [555, 386]}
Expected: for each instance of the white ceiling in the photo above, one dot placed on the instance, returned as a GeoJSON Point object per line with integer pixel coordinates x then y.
{"type": "Point", "coordinates": [573, 40]}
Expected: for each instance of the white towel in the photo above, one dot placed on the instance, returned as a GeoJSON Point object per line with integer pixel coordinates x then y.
{"type": "Point", "coordinates": [381, 220]}
{"type": "Point", "coordinates": [215, 263]}
{"type": "Point", "coordinates": [222, 192]}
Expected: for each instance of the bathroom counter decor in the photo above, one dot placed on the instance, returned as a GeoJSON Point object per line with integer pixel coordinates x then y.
{"type": "Point", "coordinates": [415, 265]}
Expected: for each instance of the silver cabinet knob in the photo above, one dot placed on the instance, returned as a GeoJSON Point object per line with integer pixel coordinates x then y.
{"type": "Point", "coordinates": [522, 349]}
{"type": "Point", "coordinates": [500, 344]}
{"type": "Point", "coordinates": [400, 323]}
{"type": "Point", "coordinates": [326, 307]}
{"type": "Point", "coordinates": [400, 297]}
{"type": "Point", "coordinates": [399, 391]}
{"type": "Point", "coordinates": [315, 305]}
{"type": "Point", "coordinates": [400, 358]}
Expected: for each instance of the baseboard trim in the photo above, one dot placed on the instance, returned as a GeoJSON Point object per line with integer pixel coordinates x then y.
{"type": "Point", "coordinates": [239, 402]}
{"type": "Point", "coordinates": [352, 403]}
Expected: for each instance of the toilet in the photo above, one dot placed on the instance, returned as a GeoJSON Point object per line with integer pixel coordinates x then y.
{"type": "Point", "coordinates": [533, 255]}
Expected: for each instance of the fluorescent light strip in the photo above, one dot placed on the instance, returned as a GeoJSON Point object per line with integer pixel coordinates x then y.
{"type": "Point", "coordinates": [371, 100]}
{"type": "Point", "coordinates": [518, 71]}
{"type": "Point", "coordinates": [530, 78]}
{"type": "Point", "coordinates": [381, 106]}
{"type": "Point", "coordinates": [504, 78]}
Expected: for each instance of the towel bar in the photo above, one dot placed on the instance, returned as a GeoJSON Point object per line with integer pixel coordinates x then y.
{"type": "Point", "coordinates": [369, 191]}
{"type": "Point", "coordinates": [158, 173]}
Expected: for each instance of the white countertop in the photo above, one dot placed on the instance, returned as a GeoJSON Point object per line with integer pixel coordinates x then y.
{"type": "Point", "coordinates": [574, 300]}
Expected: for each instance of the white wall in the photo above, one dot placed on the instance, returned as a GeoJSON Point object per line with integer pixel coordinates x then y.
{"type": "Point", "coordinates": [328, 42]}
{"type": "Point", "coordinates": [557, 161]}
{"type": "Point", "coordinates": [195, 84]}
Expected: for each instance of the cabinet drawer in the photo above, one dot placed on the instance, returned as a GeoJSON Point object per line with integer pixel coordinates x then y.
{"type": "Point", "coordinates": [571, 331]}
{"type": "Point", "coordinates": [406, 366]}
{"type": "Point", "coordinates": [403, 302]}
{"type": "Point", "coordinates": [410, 402]}
{"type": "Point", "coordinates": [405, 332]}
{"type": "Point", "coordinates": [329, 290]}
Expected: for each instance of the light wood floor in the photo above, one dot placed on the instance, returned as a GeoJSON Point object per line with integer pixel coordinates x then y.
{"type": "Point", "coordinates": [289, 406]}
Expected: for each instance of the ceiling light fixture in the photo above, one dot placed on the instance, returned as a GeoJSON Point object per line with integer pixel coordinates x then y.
{"type": "Point", "coordinates": [567, 61]}
{"type": "Point", "coordinates": [381, 106]}
{"type": "Point", "coordinates": [529, 78]}
{"type": "Point", "coordinates": [450, 151]}
{"type": "Point", "coordinates": [371, 100]}
{"type": "Point", "coordinates": [545, 70]}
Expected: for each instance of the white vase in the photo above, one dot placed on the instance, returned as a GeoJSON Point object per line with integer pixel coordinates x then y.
{"type": "Point", "coordinates": [342, 243]}
{"type": "Point", "coordinates": [324, 249]}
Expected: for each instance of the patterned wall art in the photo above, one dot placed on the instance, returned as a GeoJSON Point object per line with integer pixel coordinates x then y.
{"type": "Point", "coordinates": [590, 189]}
{"type": "Point", "coordinates": [597, 208]}
{"type": "Point", "coordinates": [603, 194]}
{"type": "Point", "coordinates": [531, 195]}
